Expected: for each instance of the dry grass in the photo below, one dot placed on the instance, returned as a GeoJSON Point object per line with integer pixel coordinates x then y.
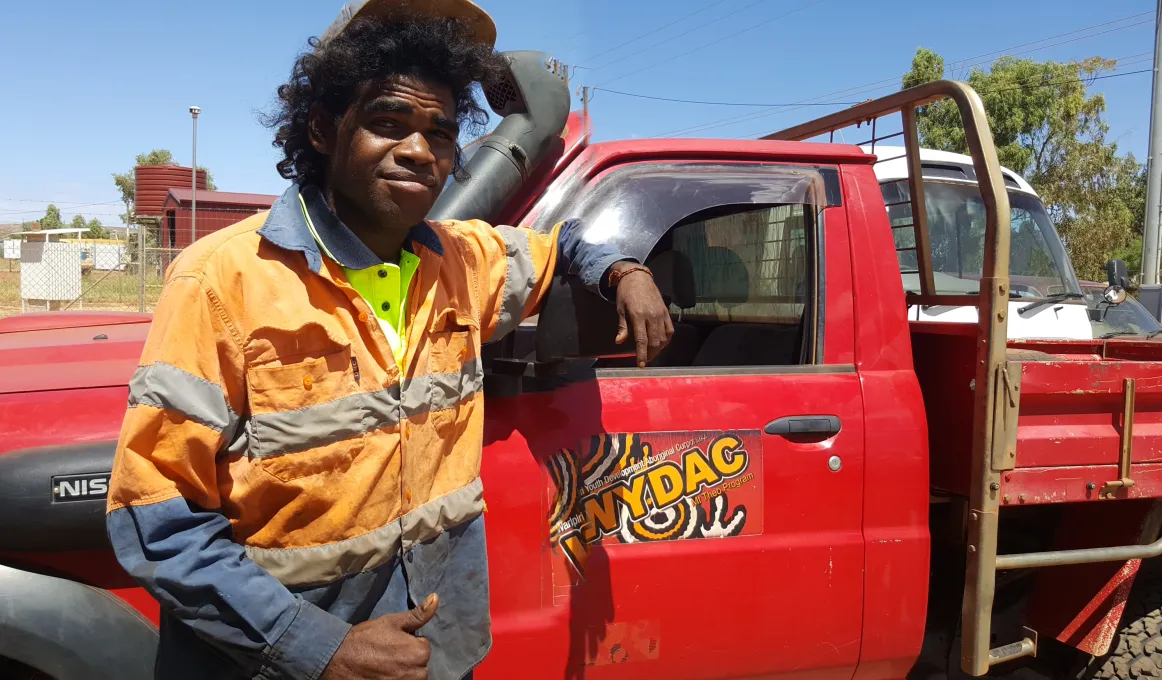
{"type": "Point", "coordinates": [100, 290]}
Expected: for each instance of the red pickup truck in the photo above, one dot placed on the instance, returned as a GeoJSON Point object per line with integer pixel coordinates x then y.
{"type": "Point", "coordinates": [803, 485]}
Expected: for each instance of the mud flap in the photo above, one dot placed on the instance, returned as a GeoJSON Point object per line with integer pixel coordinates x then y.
{"type": "Point", "coordinates": [1081, 605]}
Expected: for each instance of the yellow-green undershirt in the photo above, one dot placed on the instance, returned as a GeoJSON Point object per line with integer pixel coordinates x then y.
{"type": "Point", "coordinates": [384, 287]}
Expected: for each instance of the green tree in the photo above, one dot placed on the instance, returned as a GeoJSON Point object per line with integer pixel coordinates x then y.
{"type": "Point", "coordinates": [52, 218]}
{"type": "Point", "coordinates": [96, 229]}
{"type": "Point", "coordinates": [1049, 129]}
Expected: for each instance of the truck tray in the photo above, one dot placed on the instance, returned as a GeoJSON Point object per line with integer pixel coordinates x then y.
{"type": "Point", "coordinates": [1071, 427]}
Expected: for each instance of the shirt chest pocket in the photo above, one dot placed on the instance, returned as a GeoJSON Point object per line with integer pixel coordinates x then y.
{"type": "Point", "coordinates": [454, 374]}
{"type": "Point", "coordinates": [306, 417]}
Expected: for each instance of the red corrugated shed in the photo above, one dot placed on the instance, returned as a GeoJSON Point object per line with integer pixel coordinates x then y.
{"type": "Point", "coordinates": [261, 201]}
{"type": "Point", "coordinates": [216, 210]}
{"type": "Point", "coordinates": [153, 182]}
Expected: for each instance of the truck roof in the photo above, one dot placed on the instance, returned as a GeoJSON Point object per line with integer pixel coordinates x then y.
{"type": "Point", "coordinates": [938, 164]}
{"type": "Point", "coordinates": [606, 153]}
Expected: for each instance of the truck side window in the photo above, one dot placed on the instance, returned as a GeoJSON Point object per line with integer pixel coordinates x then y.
{"type": "Point", "coordinates": [739, 281]}
{"type": "Point", "coordinates": [732, 248]}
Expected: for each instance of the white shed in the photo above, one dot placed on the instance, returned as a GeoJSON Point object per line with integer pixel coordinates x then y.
{"type": "Point", "coordinates": [50, 269]}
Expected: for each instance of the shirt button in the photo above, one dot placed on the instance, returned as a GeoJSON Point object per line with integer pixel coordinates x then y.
{"type": "Point", "coordinates": [385, 306]}
{"type": "Point", "coordinates": [308, 381]}
{"type": "Point", "coordinates": [407, 430]}
{"type": "Point", "coordinates": [362, 317]}
{"type": "Point", "coordinates": [382, 273]}
{"type": "Point", "coordinates": [463, 352]}
{"type": "Point", "coordinates": [408, 495]}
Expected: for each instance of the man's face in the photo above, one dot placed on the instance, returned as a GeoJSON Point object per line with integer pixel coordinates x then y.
{"type": "Point", "coordinates": [391, 152]}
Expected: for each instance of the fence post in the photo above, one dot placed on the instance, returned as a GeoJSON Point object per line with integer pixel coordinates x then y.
{"type": "Point", "coordinates": [140, 266]}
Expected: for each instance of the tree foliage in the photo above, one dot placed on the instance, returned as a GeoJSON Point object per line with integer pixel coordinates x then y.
{"type": "Point", "coordinates": [52, 218]}
{"type": "Point", "coordinates": [1050, 130]}
{"type": "Point", "coordinates": [96, 229]}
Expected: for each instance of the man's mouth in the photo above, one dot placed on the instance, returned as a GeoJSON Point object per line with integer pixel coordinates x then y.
{"type": "Point", "coordinates": [407, 181]}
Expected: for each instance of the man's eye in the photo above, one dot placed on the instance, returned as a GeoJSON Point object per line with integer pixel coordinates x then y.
{"type": "Point", "coordinates": [443, 134]}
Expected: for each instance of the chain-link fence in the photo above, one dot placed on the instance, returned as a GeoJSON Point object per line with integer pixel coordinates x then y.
{"type": "Point", "coordinates": [47, 271]}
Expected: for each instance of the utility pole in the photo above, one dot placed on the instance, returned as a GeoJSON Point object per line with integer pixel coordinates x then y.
{"type": "Point", "coordinates": [1154, 169]}
{"type": "Point", "coordinates": [193, 204]}
{"type": "Point", "coordinates": [584, 92]}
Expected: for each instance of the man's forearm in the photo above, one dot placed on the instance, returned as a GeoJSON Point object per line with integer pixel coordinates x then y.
{"type": "Point", "coordinates": [186, 558]}
{"type": "Point", "coordinates": [590, 262]}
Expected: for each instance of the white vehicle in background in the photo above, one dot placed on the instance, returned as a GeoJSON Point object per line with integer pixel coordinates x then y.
{"type": "Point", "coordinates": [1046, 301]}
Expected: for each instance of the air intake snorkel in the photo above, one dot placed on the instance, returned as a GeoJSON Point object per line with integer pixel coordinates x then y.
{"type": "Point", "coordinates": [534, 102]}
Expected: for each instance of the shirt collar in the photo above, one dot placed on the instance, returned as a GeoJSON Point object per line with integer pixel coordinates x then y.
{"type": "Point", "coordinates": [287, 228]}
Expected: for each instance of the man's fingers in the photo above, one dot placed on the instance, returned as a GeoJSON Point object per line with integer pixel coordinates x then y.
{"type": "Point", "coordinates": [659, 337]}
{"type": "Point", "coordinates": [641, 338]}
{"type": "Point", "coordinates": [416, 618]}
{"type": "Point", "coordinates": [622, 327]}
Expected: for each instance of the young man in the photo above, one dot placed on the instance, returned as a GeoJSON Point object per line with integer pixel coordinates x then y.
{"type": "Point", "coordinates": [297, 479]}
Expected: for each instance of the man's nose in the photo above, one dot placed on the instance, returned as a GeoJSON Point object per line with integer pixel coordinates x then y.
{"type": "Point", "coordinates": [415, 149]}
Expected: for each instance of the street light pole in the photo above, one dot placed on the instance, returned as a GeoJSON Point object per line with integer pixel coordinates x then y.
{"type": "Point", "coordinates": [193, 204]}
{"type": "Point", "coordinates": [1154, 166]}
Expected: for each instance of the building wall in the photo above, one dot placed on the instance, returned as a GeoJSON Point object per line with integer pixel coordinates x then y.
{"type": "Point", "coordinates": [175, 231]}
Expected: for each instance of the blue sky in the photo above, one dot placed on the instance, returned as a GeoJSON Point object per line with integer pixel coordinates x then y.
{"type": "Point", "coordinates": [86, 86]}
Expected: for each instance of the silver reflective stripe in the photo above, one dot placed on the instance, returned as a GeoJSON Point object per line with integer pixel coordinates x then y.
{"type": "Point", "coordinates": [520, 276]}
{"type": "Point", "coordinates": [326, 563]}
{"type": "Point", "coordinates": [317, 565]}
{"type": "Point", "coordinates": [273, 434]}
{"type": "Point", "coordinates": [439, 391]}
{"type": "Point", "coordinates": [169, 387]}
{"type": "Point", "coordinates": [437, 516]}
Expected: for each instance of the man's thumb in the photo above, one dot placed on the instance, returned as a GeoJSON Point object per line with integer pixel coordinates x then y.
{"type": "Point", "coordinates": [417, 617]}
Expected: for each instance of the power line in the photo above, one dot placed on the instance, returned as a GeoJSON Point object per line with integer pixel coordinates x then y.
{"type": "Point", "coordinates": [680, 35]}
{"type": "Point", "coordinates": [811, 102]}
{"type": "Point", "coordinates": [1066, 42]}
{"type": "Point", "coordinates": [70, 208]}
{"type": "Point", "coordinates": [1034, 86]}
{"type": "Point", "coordinates": [645, 35]}
{"type": "Point", "coordinates": [768, 105]}
{"type": "Point", "coordinates": [1006, 51]}
{"type": "Point", "coordinates": [47, 200]}
{"type": "Point", "coordinates": [715, 42]}
{"type": "Point", "coordinates": [691, 101]}
{"type": "Point", "coordinates": [872, 86]}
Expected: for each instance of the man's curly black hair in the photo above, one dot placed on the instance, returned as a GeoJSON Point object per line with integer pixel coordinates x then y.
{"type": "Point", "coordinates": [369, 50]}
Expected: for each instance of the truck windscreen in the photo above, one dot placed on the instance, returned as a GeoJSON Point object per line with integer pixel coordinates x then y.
{"type": "Point", "coordinates": [1038, 265]}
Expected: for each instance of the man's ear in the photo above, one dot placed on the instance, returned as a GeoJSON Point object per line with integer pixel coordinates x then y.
{"type": "Point", "coordinates": [321, 129]}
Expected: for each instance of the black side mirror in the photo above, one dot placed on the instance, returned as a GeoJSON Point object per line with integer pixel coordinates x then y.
{"type": "Point", "coordinates": [1119, 280]}
{"type": "Point", "coordinates": [1117, 274]}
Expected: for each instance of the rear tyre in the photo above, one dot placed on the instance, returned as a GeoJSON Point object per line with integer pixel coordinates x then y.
{"type": "Point", "coordinates": [11, 669]}
{"type": "Point", "coordinates": [1136, 651]}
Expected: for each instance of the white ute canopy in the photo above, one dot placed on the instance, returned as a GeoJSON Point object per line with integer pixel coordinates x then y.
{"type": "Point", "coordinates": [1045, 300]}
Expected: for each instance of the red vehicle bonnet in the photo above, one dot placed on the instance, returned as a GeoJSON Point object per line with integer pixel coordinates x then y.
{"type": "Point", "coordinates": [69, 350]}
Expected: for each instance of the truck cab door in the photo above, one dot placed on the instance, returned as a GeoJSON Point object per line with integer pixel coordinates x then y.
{"type": "Point", "coordinates": [701, 517]}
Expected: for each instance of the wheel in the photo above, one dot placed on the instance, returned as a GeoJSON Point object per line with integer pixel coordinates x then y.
{"type": "Point", "coordinates": [1136, 651]}
{"type": "Point", "coordinates": [13, 669]}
